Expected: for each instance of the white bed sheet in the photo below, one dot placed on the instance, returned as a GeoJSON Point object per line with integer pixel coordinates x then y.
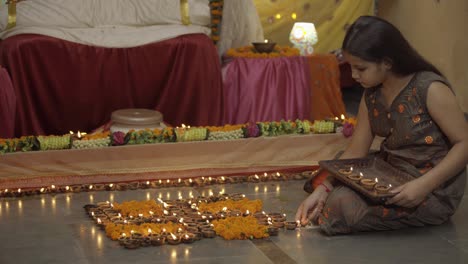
{"type": "Point", "coordinates": [130, 23]}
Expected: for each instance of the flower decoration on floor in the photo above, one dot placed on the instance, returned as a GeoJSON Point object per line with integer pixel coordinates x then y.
{"type": "Point", "coordinates": [243, 205]}
{"type": "Point", "coordinates": [240, 228]}
{"type": "Point", "coordinates": [143, 223]}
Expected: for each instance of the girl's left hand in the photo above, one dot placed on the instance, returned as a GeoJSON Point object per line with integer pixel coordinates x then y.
{"type": "Point", "coordinates": [410, 194]}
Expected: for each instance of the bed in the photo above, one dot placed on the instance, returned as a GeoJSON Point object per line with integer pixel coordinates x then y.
{"type": "Point", "coordinates": [73, 62]}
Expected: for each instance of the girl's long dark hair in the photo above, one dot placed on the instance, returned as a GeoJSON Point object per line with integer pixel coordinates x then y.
{"type": "Point", "coordinates": [374, 39]}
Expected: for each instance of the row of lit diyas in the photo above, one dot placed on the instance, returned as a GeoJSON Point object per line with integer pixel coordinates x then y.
{"type": "Point", "coordinates": [191, 182]}
{"type": "Point", "coordinates": [368, 184]}
{"type": "Point", "coordinates": [193, 225]}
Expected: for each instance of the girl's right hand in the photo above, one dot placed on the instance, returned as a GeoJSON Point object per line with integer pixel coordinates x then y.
{"type": "Point", "coordinates": [312, 206]}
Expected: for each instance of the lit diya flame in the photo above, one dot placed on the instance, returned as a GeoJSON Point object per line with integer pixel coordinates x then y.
{"type": "Point", "coordinates": [166, 212]}
{"type": "Point", "coordinates": [247, 212]}
{"type": "Point", "coordinates": [181, 220]}
{"type": "Point", "coordinates": [147, 183]}
{"type": "Point", "coordinates": [174, 237]}
{"type": "Point", "coordinates": [99, 221]}
{"type": "Point", "coordinates": [265, 174]}
{"type": "Point", "coordinates": [151, 213]}
{"type": "Point", "coordinates": [342, 117]}
{"type": "Point", "coordinates": [67, 188]}
{"type": "Point", "coordinates": [120, 215]}
{"type": "Point", "coordinates": [224, 209]}
{"type": "Point", "coordinates": [256, 177]}
{"type": "Point", "coordinates": [150, 231]}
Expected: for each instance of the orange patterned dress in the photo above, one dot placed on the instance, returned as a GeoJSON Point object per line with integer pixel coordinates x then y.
{"type": "Point", "coordinates": [413, 143]}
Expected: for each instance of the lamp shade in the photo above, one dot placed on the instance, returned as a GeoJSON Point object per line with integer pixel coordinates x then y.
{"type": "Point", "coordinates": [303, 36]}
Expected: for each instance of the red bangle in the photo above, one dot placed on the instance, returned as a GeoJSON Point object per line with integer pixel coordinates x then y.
{"type": "Point", "coordinates": [326, 188]}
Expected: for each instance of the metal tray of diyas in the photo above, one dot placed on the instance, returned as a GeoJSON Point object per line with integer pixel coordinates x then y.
{"type": "Point", "coordinates": [372, 177]}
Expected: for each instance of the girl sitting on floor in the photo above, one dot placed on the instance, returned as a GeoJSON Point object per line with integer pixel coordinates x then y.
{"type": "Point", "coordinates": [409, 103]}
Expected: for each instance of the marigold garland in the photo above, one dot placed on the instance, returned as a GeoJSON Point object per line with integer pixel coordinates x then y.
{"type": "Point", "coordinates": [135, 208]}
{"type": "Point", "coordinates": [168, 134]}
{"type": "Point", "coordinates": [216, 12]}
{"type": "Point", "coordinates": [250, 52]}
{"type": "Point", "coordinates": [241, 205]}
{"type": "Point", "coordinates": [240, 228]}
{"type": "Point", "coordinates": [96, 136]}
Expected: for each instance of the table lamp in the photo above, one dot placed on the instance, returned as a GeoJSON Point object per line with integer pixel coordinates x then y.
{"type": "Point", "coordinates": [303, 36]}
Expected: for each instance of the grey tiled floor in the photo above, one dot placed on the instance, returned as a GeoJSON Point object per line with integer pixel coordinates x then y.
{"type": "Point", "coordinates": [55, 229]}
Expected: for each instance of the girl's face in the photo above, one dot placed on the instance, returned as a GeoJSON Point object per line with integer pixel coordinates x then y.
{"type": "Point", "coordinates": [368, 74]}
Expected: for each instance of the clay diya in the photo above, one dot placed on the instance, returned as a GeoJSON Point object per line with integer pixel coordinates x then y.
{"type": "Point", "coordinates": [368, 184]}
{"type": "Point", "coordinates": [208, 233]}
{"type": "Point", "coordinates": [278, 224]}
{"type": "Point", "coordinates": [272, 231]}
{"type": "Point", "coordinates": [173, 239]}
{"type": "Point", "coordinates": [346, 171]}
{"type": "Point", "coordinates": [188, 238]}
{"type": "Point", "coordinates": [382, 188]}
{"type": "Point", "coordinates": [290, 225]}
{"type": "Point", "coordinates": [355, 177]}
{"type": "Point", "coordinates": [132, 243]}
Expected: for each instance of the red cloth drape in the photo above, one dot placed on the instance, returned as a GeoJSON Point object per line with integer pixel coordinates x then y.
{"type": "Point", "coordinates": [62, 86]}
{"type": "Point", "coordinates": [7, 105]}
{"type": "Point", "coordinates": [259, 90]}
{"type": "Point", "coordinates": [325, 97]}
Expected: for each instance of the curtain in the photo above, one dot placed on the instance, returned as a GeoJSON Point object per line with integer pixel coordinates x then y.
{"type": "Point", "coordinates": [331, 18]}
